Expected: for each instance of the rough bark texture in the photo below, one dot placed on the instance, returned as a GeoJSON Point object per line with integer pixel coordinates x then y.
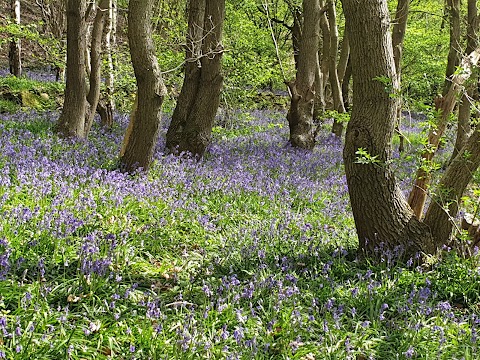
{"type": "Point", "coordinates": [382, 216]}
{"type": "Point", "coordinates": [338, 105]}
{"type": "Point", "coordinates": [445, 106]}
{"type": "Point", "coordinates": [455, 50]}
{"type": "Point", "coordinates": [300, 114]}
{"type": "Point", "coordinates": [145, 120]}
{"type": "Point", "coordinates": [325, 50]}
{"type": "Point", "coordinates": [464, 128]}
{"type": "Point", "coordinates": [93, 95]}
{"type": "Point", "coordinates": [72, 119]}
{"type": "Point", "coordinates": [15, 51]}
{"type": "Point", "coordinates": [192, 120]}
{"type": "Point", "coordinates": [443, 209]}
{"type": "Point", "coordinates": [346, 85]}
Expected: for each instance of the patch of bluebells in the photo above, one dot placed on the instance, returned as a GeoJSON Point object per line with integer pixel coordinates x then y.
{"type": "Point", "coordinates": [255, 228]}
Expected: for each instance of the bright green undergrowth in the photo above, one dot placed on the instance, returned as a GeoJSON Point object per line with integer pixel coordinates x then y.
{"type": "Point", "coordinates": [93, 269]}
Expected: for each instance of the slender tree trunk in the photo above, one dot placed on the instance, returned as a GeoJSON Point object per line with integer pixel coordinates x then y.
{"type": "Point", "coordinates": [319, 102]}
{"type": "Point", "coordinates": [192, 120]}
{"type": "Point", "coordinates": [338, 105]}
{"type": "Point", "coordinates": [453, 7]}
{"type": "Point", "coordinates": [72, 119]}
{"type": "Point", "coordinates": [382, 216]}
{"type": "Point", "coordinates": [296, 34]}
{"type": "Point", "coordinates": [140, 141]}
{"type": "Point", "coordinates": [464, 128]}
{"type": "Point", "coordinates": [107, 116]}
{"type": "Point", "coordinates": [443, 209]}
{"type": "Point", "coordinates": [344, 58]}
{"type": "Point", "coordinates": [325, 50]}
{"type": "Point", "coordinates": [346, 85]}
{"type": "Point", "coordinates": [300, 114]}
{"type": "Point", "coordinates": [93, 95]}
{"type": "Point", "coordinates": [445, 106]}
{"type": "Point", "coordinates": [398, 35]}
{"type": "Point", "coordinates": [14, 55]}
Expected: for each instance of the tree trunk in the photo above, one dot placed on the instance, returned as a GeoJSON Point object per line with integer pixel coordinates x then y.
{"type": "Point", "coordinates": [455, 41]}
{"type": "Point", "coordinates": [346, 85]}
{"type": "Point", "coordinates": [398, 35]}
{"type": "Point", "coordinates": [463, 128]}
{"type": "Point", "coordinates": [319, 101]}
{"type": "Point", "coordinates": [382, 216]}
{"type": "Point", "coordinates": [296, 34]}
{"type": "Point", "coordinates": [107, 116]}
{"type": "Point", "coordinates": [300, 114]}
{"type": "Point", "coordinates": [93, 95]}
{"type": "Point", "coordinates": [72, 119]}
{"type": "Point", "coordinates": [14, 55]}
{"type": "Point", "coordinates": [192, 120]}
{"type": "Point", "coordinates": [338, 105]}
{"type": "Point", "coordinates": [445, 106]}
{"type": "Point", "coordinates": [325, 50]}
{"type": "Point", "coordinates": [443, 209]}
{"type": "Point", "coordinates": [139, 143]}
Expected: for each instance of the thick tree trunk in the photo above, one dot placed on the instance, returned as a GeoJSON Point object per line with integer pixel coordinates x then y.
{"type": "Point", "coordinates": [398, 35]}
{"type": "Point", "coordinates": [382, 216]}
{"type": "Point", "coordinates": [14, 55]}
{"type": "Point", "coordinates": [464, 128]}
{"type": "Point", "coordinates": [192, 120]}
{"type": "Point", "coordinates": [338, 105]}
{"type": "Point", "coordinates": [443, 209]}
{"type": "Point", "coordinates": [72, 119]}
{"type": "Point", "coordinates": [445, 106]}
{"type": "Point", "coordinates": [300, 114]}
{"type": "Point", "coordinates": [139, 143]}
{"type": "Point", "coordinates": [93, 95]}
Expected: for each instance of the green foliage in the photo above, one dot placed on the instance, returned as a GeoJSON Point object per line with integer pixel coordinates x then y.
{"type": "Point", "coordinates": [21, 92]}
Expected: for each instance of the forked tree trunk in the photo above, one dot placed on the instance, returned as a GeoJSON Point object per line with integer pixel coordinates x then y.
{"type": "Point", "coordinates": [445, 106]}
{"type": "Point", "coordinates": [398, 35]}
{"type": "Point", "coordinates": [93, 95]}
{"type": "Point", "coordinates": [142, 135]}
{"type": "Point", "coordinates": [382, 216]}
{"type": "Point", "coordinates": [300, 114]}
{"type": "Point", "coordinates": [443, 209]}
{"type": "Point", "coordinates": [14, 55]}
{"type": "Point", "coordinates": [192, 120]}
{"type": "Point", "coordinates": [72, 119]}
{"type": "Point", "coordinates": [464, 128]}
{"type": "Point", "coordinates": [338, 105]}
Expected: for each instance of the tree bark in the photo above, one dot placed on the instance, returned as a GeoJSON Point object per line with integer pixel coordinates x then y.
{"type": "Point", "coordinates": [300, 114]}
{"type": "Point", "coordinates": [107, 116]}
{"type": "Point", "coordinates": [93, 95]}
{"type": "Point", "coordinates": [445, 106]}
{"type": "Point", "coordinates": [14, 55]}
{"type": "Point", "coordinates": [464, 128]}
{"type": "Point", "coordinates": [338, 105]}
{"type": "Point", "coordinates": [454, 52]}
{"type": "Point", "coordinates": [382, 216]}
{"type": "Point", "coordinates": [398, 35]}
{"type": "Point", "coordinates": [72, 119]}
{"type": "Point", "coordinates": [192, 120]}
{"type": "Point", "coordinates": [139, 143]}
